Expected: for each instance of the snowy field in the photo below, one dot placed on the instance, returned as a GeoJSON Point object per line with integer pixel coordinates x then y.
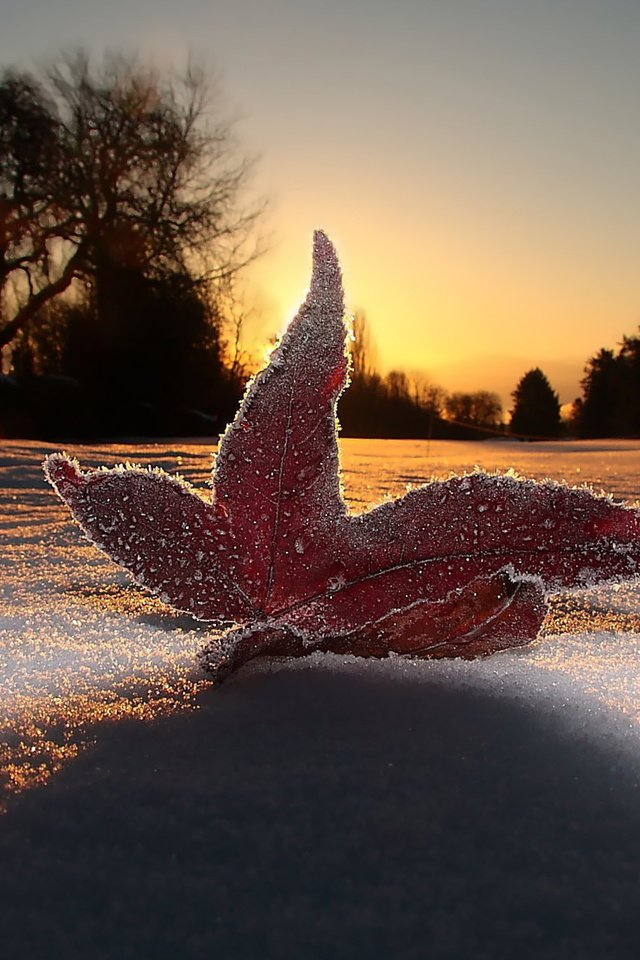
{"type": "Point", "coordinates": [324, 807]}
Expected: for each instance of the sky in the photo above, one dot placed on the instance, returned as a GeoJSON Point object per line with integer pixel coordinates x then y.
{"type": "Point", "coordinates": [477, 162]}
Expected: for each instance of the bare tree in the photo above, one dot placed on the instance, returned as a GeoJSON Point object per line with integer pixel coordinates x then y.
{"type": "Point", "coordinates": [236, 312]}
{"type": "Point", "coordinates": [427, 394]}
{"type": "Point", "coordinates": [482, 408]}
{"type": "Point", "coordinates": [487, 408]}
{"type": "Point", "coordinates": [397, 384]}
{"type": "Point", "coordinates": [32, 222]}
{"type": "Point", "coordinates": [120, 166]}
{"type": "Point", "coordinates": [363, 352]}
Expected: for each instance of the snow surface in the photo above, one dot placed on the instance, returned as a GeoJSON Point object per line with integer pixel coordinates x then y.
{"type": "Point", "coordinates": [319, 807]}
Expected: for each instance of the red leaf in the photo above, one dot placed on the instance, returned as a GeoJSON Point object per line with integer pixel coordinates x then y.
{"type": "Point", "coordinates": [455, 568]}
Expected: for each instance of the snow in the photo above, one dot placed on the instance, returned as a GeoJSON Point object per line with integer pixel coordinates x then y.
{"type": "Point", "coordinates": [319, 807]}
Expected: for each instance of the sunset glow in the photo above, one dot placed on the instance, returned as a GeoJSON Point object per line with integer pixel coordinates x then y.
{"type": "Point", "coordinates": [476, 164]}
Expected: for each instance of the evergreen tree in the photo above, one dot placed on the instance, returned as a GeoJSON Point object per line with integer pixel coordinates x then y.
{"type": "Point", "coordinates": [600, 387]}
{"type": "Point", "coordinates": [627, 419]}
{"type": "Point", "coordinates": [611, 392]}
{"type": "Point", "coordinates": [536, 410]}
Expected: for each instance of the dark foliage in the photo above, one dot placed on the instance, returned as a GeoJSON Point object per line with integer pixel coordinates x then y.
{"type": "Point", "coordinates": [139, 357]}
{"type": "Point", "coordinates": [481, 408]}
{"type": "Point", "coordinates": [372, 407]}
{"type": "Point", "coordinates": [610, 404]}
{"type": "Point", "coordinates": [376, 406]}
{"type": "Point", "coordinates": [536, 410]}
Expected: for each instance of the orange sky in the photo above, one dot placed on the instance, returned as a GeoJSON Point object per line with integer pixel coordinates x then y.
{"type": "Point", "coordinates": [475, 310]}
{"type": "Point", "coordinates": [484, 194]}
{"type": "Point", "coordinates": [477, 162]}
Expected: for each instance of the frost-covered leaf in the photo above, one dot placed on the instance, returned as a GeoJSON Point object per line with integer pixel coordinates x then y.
{"type": "Point", "coordinates": [455, 568]}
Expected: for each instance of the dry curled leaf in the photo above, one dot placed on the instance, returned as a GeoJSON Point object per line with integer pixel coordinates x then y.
{"type": "Point", "coordinates": [455, 568]}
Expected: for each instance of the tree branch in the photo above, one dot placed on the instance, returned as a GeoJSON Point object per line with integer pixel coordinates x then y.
{"type": "Point", "coordinates": [31, 307]}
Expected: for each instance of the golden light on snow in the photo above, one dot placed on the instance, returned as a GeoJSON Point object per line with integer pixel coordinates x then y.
{"type": "Point", "coordinates": [81, 647]}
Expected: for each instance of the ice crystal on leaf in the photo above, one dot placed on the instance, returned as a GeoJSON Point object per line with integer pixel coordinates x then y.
{"type": "Point", "coordinates": [458, 567]}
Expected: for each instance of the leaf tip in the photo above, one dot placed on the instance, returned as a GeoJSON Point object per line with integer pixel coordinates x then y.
{"type": "Point", "coordinates": [63, 473]}
{"type": "Point", "coordinates": [326, 266]}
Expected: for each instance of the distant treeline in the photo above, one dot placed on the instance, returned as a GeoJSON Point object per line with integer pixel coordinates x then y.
{"type": "Point", "coordinates": [394, 406]}
{"type": "Point", "coordinates": [139, 356]}
{"type": "Point", "coordinates": [150, 357]}
{"type": "Point", "coordinates": [408, 404]}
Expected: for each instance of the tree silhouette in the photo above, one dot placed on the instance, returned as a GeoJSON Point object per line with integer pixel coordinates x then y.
{"type": "Point", "coordinates": [628, 393]}
{"type": "Point", "coordinates": [536, 410]}
{"type": "Point", "coordinates": [600, 393]}
{"type": "Point", "coordinates": [610, 403]}
{"type": "Point", "coordinates": [361, 348]}
{"type": "Point", "coordinates": [148, 363]}
{"type": "Point", "coordinates": [395, 405]}
{"type": "Point", "coordinates": [112, 166]}
{"type": "Point", "coordinates": [481, 408]}
{"type": "Point", "coordinates": [34, 223]}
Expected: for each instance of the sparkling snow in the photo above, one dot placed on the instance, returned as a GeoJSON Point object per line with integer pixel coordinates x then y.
{"type": "Point", "coordinates": [80, 645]}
